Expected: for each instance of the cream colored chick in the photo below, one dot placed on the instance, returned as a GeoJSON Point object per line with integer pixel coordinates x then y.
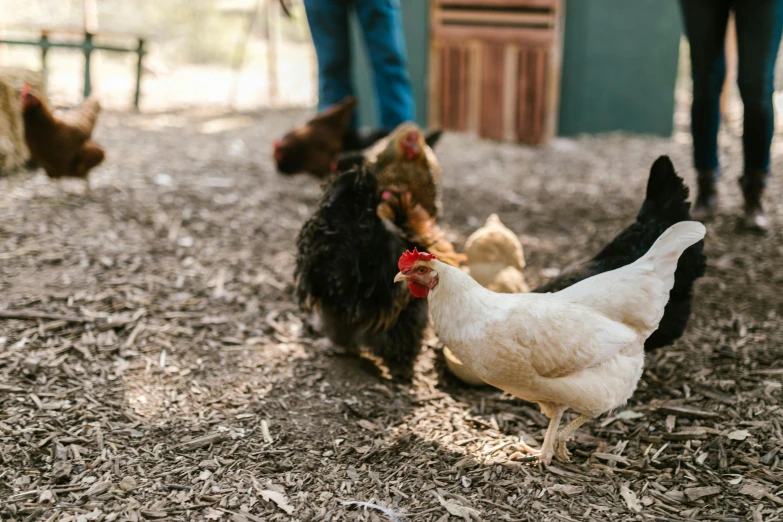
{"type": "Point", "coordinates": [495, 258]}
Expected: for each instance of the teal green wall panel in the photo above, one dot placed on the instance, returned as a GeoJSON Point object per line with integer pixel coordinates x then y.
{"type": "Point", "coordinates": [619, 66]}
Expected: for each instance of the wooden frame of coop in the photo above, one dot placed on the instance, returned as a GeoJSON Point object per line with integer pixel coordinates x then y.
{"type": "Point", "coordinates": [495, 67]}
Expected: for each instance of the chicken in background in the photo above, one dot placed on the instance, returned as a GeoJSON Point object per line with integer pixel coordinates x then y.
{"type": "Point", "coordinates": [580, 348]}
{"type": "Point", "coordinates": [495, 258]}
{"type": "Point", "coordinates": [408, 175]}
{"type": "Point", "coordinates": [346, 260]}
{"type": "Point", "coordinates": [408, 161]}
{"type": "Point", "coordinates": [406, 167]}
{"type": "Point", "coordinates": [314, 147]}
{"type": "Point", "coordinates": [61, 144]}
{"type": "Point", "coordinates": [665, 204]}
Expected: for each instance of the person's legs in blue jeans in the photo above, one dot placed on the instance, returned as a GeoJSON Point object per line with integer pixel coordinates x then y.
{"type": "Point", "coordinates": [381, 22]}
{"type": "Point", "coordinates": [328, 20]}
{"type": "Point", "coordinates": [705, 26]}
{"type": "Point", "coordinates": [759, 26]}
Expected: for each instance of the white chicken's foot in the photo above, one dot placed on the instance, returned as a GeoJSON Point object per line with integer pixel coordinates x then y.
{"type": "Point", "coordinates": [525, 452]}
{"type": "Point", "coordinates": [547, 448]}
{"type": "Point", "coordinates": [561, 452]}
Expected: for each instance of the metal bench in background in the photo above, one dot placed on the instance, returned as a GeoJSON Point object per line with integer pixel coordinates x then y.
{"type": "Point", "coordinates": [87, 45]}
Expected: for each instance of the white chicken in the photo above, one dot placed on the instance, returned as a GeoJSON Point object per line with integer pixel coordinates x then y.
{"type": "Point", "coordinates": [580, 348]}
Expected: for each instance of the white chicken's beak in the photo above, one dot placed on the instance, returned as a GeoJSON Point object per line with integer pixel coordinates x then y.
{"type": "Point", "coordinates": [400, 277]}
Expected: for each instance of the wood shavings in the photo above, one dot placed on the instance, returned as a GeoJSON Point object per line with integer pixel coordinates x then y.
{"type": "Point", "coordinates": [458, 510]}
{"type": "Point", "coordinates": [738, 435]}
{"type": "Point", "coordinates": [265, 432]}
{"type": "Point", "coordinates": [245, 395]}
{"type": "Point", "coordinates": [697, 493]}
{"type": "Point", "coordinates": [278, 498]}
{"type": "Point", "coordinates": [395, 517]}
{"type": "Point", "coordinates": [630, 498]}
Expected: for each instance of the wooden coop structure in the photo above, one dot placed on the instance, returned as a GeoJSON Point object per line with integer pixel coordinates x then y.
{"type": "Point", "coordinates": [495, 67]}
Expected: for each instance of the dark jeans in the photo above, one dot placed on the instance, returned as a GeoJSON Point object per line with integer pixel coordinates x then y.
{"type": "Point", "coordinates": [759, 24]}
{"type": "Point", "coordinates": [381, 23]}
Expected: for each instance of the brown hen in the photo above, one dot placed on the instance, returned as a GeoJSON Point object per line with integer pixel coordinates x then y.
{"type": "Point", "coordinates": [407, 161]}
{"type": "Point", "coordinates": [61, 144]}
{"type": "Point", "coordinates": [314, 147]}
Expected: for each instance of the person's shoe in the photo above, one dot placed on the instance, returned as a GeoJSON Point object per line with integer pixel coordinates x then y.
{"type": "Point", "coordinates": [707, 198]}
{"type": "Point", "coordinates": [753, 185]}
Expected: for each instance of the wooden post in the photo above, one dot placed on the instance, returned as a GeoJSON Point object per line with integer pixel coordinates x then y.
{"type": "Point", "coordinates": [139, 72]}
{"type": "Point", "coordinates": [314, 75]}
{"type": "Point", "coordinates": [552, 104]}
{"type": "Point", "coordinates": [273, 44]}
{"type": "Point", "coordinates": [510, 93]}
{"type": "Point", "coordinates": [239, 55]}
{"type": "Point", "coordinates": [90, 23]}
{"type": "Point", "coordinates": [731, 65]}
{"type": "Point", "coordinates": [87, 58]}
{"type": "Point", "coordinates": [44, 52]}
{"type": "Point", "coordinates": [476, 59]}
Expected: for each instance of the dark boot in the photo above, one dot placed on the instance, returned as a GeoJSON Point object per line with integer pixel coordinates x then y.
{"type": "Point", "coordinates": [707, 198]}
{"type": "Point", "coordinates": [753, 185]}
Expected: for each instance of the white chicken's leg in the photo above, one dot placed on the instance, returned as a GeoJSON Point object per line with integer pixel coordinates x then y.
{"type": "Point", "coordinates": [547, 448]}
{"type": "Point", "coordinates": [561, 452]}
{"type": "Point", "coordinates": [555, 413]}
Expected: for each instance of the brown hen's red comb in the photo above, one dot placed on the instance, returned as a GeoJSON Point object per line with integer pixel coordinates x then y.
{"type": "Point", "coordinates": [408, 259]}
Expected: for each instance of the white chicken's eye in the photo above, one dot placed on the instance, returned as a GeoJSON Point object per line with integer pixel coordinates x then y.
{"type": "Point", "coordinates": [422, 270]}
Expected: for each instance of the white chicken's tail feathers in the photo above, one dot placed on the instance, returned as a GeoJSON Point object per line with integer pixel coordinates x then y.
{"type": "Point", "coordinates": [668, 248]}
{"type": "Point", "coordinates": [636, 294]}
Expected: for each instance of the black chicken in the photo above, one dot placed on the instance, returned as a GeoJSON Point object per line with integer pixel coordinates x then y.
{"type": "Point", "coordinates": [347, 259]}
{"type": "Point", "coordinates": [665, 204]}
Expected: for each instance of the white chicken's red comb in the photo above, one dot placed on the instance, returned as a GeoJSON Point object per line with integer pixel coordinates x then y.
{"type": "Point", "coordinates": [408, 259]}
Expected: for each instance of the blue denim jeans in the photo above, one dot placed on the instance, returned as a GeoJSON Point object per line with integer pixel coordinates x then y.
{"type": "Point", "coordinates": [759, 24]}
{"type": "Point", "coordinates": [381, 23]}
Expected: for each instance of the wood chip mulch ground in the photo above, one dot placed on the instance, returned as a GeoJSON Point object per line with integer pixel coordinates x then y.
{"type": "Point", "coordinates": [153, 365]}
